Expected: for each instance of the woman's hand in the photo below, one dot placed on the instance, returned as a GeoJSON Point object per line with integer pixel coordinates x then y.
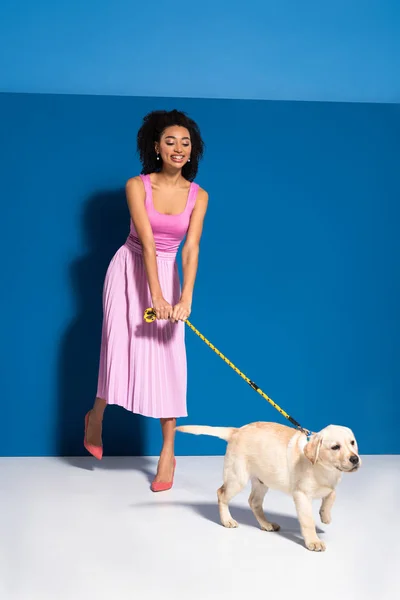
{"type": "Point", "coordinates": [163, 308]}
{"type": "Point", "coordinates": [181, 311]}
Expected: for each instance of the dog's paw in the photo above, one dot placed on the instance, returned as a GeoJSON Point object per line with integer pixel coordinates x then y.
{"type": "Point", "coordinates": [325, 517]}
{"type": "Point", "coordinates": [270, 527]}
{"type": "Point", "coordinates": [316, 545]}
{"type": "Point", "coordinates": [230, 523]}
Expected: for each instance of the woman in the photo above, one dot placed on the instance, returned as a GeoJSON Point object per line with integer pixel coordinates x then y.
{"type": "Point", "coordinates": [143, 366]}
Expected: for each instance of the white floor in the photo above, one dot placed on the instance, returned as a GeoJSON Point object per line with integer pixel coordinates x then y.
{"type": "Point", "coordinates": [75, 528]}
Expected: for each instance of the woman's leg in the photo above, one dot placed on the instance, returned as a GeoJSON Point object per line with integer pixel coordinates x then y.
{"type": "Point", "coordinates": [166, 463]}
{"type": "Point", "coordinates": [95, 422]}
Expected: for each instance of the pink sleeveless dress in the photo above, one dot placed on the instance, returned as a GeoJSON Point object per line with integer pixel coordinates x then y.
{"type": "Point", "coordinates": [143, 365]}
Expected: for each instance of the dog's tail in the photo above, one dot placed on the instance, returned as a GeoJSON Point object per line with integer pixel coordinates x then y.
{"type": "Point", "coordinates": [225, 433]}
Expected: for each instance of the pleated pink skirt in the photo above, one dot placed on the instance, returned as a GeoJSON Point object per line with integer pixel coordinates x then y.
{"type": "Point", "coordinates": [142, 365]}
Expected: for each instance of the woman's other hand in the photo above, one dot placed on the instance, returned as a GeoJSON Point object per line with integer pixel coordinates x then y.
{"type": "Point", "coordinates": [181, 311]}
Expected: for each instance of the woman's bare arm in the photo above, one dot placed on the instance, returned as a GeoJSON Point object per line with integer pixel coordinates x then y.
{"type": "Point", "coordinates": [190, 256]}
{"type": "Point", "coordinates": [135, 195]}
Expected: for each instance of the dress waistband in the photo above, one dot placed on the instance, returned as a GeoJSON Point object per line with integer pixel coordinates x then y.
{"type": "Point", "coordinates": [134, 245]}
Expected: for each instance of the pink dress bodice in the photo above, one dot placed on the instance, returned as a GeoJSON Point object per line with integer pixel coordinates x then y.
{"type": "Point", "coordinates": [168, 230]}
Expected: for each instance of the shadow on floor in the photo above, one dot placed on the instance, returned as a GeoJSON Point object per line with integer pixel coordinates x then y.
{"type": "Point", "coordinates": [145, 465]}
{"type": "Point", "coordinates": [290, 527]}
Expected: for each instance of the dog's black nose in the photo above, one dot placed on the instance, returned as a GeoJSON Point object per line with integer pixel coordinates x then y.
{"type": "Point", "coordinates": [354, 460]}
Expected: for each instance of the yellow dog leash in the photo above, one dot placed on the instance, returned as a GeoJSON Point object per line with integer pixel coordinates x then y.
{"type": "Point", "coordinates": [150, 316]}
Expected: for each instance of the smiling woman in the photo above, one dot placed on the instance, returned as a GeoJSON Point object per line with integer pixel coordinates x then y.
{"type": "Point", "coordinates": [157, 137]}
{"type": "Point", "coordinates": [144, 370]}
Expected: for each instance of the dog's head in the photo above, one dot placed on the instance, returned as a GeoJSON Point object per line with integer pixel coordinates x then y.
{"type": "Point", "coordinates": [334, 447]}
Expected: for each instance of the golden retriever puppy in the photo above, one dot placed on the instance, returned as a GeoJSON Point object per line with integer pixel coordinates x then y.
{"type": "Point", "coordinates": [281, 458]}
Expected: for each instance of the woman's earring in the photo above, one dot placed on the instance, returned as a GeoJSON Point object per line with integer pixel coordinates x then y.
{"type": "Point", "coordinates": [158, 156]}
{"type": "Point", "coordinates": [188, 159]}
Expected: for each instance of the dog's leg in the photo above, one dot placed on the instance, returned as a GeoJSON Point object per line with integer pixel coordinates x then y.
{"type": "Point", "coordinates": [235, 479]}
{"type": "Point", "coordinates": [305, 515]}
{"type": "Point", "coordinates": [225, 495]}
{"type": "Point", "coordinates": [326, 507]}
{"type": "Point", "coordinates": [256, 498]}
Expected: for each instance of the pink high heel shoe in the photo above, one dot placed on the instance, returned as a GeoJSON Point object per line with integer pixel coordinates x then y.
{"type": "Point", "coordinates": [163, 486]}
{"type": "Point", "coordinates": [96, 451]}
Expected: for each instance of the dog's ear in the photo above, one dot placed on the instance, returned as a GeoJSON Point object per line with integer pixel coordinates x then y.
{"type": "Point", "coordinates": [312, 448]}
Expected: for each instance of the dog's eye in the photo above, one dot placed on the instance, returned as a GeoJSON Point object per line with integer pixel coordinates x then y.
{"type": "Point", "coordinates": [337, 447]}
{"type": "Point", "coordinates": [352, 443]}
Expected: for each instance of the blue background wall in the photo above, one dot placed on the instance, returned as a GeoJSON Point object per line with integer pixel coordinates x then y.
{"type": "Point", "coordinates": [263, 49]}
{"type": "Point", "coordinates": [301, 247]}
{"type": "Point", "coordinates": [300, 244]}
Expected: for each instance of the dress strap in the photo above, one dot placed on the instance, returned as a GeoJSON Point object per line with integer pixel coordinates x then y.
{"type": "Point", "coordinates": [147, 188]}
{"type": "Point", "coordinates": [192, 196]}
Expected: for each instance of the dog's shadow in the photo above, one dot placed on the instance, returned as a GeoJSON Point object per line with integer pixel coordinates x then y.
{"type": "Point", "coordinates": [289, 526]}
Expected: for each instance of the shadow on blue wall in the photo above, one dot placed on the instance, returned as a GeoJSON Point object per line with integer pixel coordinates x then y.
{"type": "Point", "coordinates": [103, 227]}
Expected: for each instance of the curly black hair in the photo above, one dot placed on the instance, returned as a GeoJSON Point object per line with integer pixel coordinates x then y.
{"type": "Point", "coordinates": [150, 132]}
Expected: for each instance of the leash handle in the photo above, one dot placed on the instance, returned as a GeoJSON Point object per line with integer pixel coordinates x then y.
{"type": "Point", "coordinates": [150, 316]}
